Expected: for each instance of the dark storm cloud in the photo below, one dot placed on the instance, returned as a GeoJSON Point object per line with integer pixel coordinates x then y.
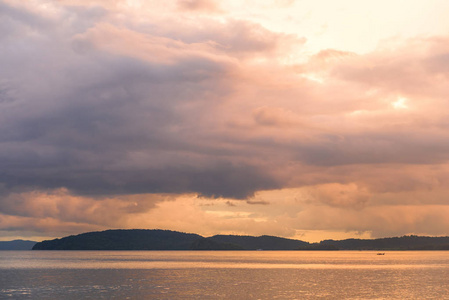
{"type": "Point", "coordinates": [102, 106]}
{"type": "Point", "coordinates": [226, 181]}
{"type": "Point", "coordinates": [103, 123]}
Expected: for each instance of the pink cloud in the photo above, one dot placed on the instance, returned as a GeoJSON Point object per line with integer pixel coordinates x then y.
{"type": "Point", "coordinates": [187, 104]}
{"type": "Point", "coordinates": [209, 6]}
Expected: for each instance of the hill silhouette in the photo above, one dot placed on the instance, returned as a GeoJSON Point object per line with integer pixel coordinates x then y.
{"type": "Point", "coordinates": [411, 242]}
{"type": "Point", "coordinates": [155, 239]}
{"type": "Point", "coordinates": [17, 245]}
{"type": "Point", "coordinates": [134, 239]}
{"type": "Point", "coordinates": [264, 242]}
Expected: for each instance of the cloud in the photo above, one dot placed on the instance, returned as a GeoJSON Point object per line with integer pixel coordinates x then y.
{"type": "Point", "coordinates": [209, 6]}
{"type": "Point", "coordinates": [257, 202]}
{"type": "Point", "coordinates": [58, 212]}
{"type": "Point", "coordinates": [379, 221]}
{"type": "Point", "coordinates": [274, 116]}
{"type": "Point", "coordinates": [110, 119]}
{"type": "Point", "coordinates": [101, 101]}
{"type": "Point", "coordinates": [339, 195]}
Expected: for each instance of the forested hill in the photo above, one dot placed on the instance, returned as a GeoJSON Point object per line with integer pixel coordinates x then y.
{"type": "Point", "coordinates": [142, 239]}
{"type": "Point", "coordinates": [135, 239]}
{"type": "Point", "coordinates": [264, 242]}
{"type": "Point", "coordinates": [145, 239]}
{"type": "Point", "coordinates": [411, 242]}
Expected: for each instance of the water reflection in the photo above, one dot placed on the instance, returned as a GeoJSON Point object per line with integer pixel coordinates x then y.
{"type": "Point", "coordinates": [240, 275]}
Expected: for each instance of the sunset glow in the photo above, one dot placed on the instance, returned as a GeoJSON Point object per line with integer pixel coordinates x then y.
{"type": "Point", "coordinates": [303, 119]}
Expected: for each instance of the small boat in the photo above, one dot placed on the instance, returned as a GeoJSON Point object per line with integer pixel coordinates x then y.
{"type": "Point", "coordinates": [380, 253]}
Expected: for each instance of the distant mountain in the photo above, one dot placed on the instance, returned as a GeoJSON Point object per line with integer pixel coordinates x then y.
{"type": "Point", "coordinates": [17, 245]}
{"type": "Point", "coordinates": [145, 239]}
{"type": "Point", "coordinates": [134, 239]}
{"type": "Point", "coordinates": [411, 242]}
{"type": "Point", "coordinates": [264, 242]}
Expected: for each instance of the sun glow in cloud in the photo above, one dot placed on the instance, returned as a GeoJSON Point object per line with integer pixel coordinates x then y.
{"type": "Point", "coordinates": [307, 119]}
{"type": "Point", "coordinates": [400, 103]}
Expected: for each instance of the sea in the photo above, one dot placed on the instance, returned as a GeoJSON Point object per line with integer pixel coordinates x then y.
{"type": "Point", "coordinates": [224, 275]}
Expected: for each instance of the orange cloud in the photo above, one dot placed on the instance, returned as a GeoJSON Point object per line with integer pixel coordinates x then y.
{"type": "Point", "coordinates": [145, 108]}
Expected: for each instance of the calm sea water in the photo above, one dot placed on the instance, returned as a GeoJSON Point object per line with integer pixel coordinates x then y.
{"type": "Point", "coordinates": [223, 275]}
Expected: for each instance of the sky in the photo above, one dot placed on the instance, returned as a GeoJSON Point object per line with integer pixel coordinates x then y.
{"type": "Point", "coordinates": [306, 119]}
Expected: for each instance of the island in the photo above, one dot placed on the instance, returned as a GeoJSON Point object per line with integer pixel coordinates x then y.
{"type": "Point", "coordinates": [156, 239]}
